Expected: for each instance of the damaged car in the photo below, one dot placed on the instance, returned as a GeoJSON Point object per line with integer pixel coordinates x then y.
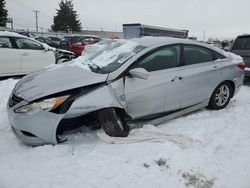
{"type": "Point", "coordinates": [149, 79]}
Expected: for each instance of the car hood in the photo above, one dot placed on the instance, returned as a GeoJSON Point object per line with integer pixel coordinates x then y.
{"type": "Point", "coordinates": [55, 79]}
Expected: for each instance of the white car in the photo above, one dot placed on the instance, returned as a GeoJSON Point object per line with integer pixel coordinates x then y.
{"type": "Point", "coordinates": [20, 55]}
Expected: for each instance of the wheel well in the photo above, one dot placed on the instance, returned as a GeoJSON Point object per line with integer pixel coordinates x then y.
{"type": "Point", "coordinates": [122, 112]}
{"type": "Point", "coordinates": [232, 85]}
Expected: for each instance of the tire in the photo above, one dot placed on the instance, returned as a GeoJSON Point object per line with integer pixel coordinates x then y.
{"type": "Point", "coordinates": [221, 96]}
{"type": "Point", "coordinates": [62, 60]}
{"type": "Point", "coordinates": [112, 123]}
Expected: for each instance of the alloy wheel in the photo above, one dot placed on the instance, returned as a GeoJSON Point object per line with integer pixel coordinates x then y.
{"type": "Point", "coordinates": [222, 95]}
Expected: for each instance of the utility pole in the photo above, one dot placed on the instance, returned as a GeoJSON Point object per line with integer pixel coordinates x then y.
{"type": "Point", "coordinates": [36, 13]}
{"type": "Point", "coordinates": [10, 20]}
{"type": "Point", "coordinates": [204, 36]}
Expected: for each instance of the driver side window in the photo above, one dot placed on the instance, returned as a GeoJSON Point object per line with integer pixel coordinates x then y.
{"type": "Point", "coordinates": [23, 43]}
{"type": "Point", "coordinates": [163, 58]}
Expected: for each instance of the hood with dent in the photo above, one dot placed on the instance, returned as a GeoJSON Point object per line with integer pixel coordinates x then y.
{"type": "Point", "coordinates": [55, 79]}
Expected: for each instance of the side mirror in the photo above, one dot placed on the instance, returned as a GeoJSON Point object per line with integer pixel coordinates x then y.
{"type": "Point", "coordinates": [139, 73]}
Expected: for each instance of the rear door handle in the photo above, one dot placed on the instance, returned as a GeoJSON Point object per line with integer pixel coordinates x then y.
{"type": "Point", "coordinates": [177, 77]}
{"type": "Point", "coordinates": [216, 67]}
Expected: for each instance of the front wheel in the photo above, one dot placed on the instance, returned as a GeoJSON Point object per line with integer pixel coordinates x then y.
{"type": "Point", "coordinates": [113, 123]}
{"type": "Point", "coordinates": [221, 96]}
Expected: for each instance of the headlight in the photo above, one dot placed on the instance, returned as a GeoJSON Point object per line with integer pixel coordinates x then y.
{"type": "Point", "coordinates": [47, 105]}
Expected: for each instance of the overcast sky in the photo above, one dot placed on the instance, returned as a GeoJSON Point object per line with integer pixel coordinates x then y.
{"type": "Point", "coordinates": [219, 18]}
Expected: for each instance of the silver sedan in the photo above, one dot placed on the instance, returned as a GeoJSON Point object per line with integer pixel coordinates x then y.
{"type": "Point", "coordinates": [146, 79]}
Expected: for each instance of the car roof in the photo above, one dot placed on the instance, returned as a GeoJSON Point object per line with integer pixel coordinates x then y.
{"type": "Point", "coordinates": [152, 41]}
{"type": "Point", "coordinates": [11, 34]}
{"type": "Point", "coordinates": [244, 35]}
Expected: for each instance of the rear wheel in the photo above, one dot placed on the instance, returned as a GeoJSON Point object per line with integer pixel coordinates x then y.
{"type": "Point", "coordinates": [221, 96]}
{"type": "Point", "coordinates": [113, 123]}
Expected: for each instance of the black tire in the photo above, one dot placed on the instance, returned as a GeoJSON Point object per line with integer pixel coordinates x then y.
{"type": "Point", "coordinates": [217, 96]}
{"type": "Point", "coordinates": [112, 123]}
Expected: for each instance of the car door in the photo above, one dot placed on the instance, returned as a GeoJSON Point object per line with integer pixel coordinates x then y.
{"type": "Point", "coordinates": [33, 56]}
{"type": "Point", "coordinates": [9, 58]}
{"type": "Point", "coordinates": [158, 93]}
{"type": "Point", "coordinates": [201, 74]}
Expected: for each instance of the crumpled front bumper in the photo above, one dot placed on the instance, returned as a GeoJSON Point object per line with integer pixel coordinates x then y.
{"type": "Point", "coordinates": [35, 129]}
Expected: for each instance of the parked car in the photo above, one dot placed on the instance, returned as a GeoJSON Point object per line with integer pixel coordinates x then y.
{"type": "Point", "coordinates": [48, 41]}
{"type": "Point", "coordinates": [77, 44]}
{"type": "Point", "coordinates": [228, 47]}
{"type": "Point", "coordinates": [90, 49]}
{"type": "Point", "coordinates": [215, 43]}
{"type": "Point", "coordinates": [55, 39]}
{"type": "Point", "coordinates": [20, 55]}
{"type": "Point", "coordinates": [128, 80]}
{"type": "Point", "coordinates": [27, 34]}
{"type": "Point", "coordinates": [64, 43]}
{"type": "Point", "coordinates": [241, 46]}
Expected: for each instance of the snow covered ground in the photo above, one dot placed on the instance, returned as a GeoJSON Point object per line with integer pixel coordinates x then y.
{"type": "Point", "coordinates": [205, 149]}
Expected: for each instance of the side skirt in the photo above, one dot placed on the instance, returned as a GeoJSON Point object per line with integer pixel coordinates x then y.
{"type": "Point", "coordinates": [164, 119]}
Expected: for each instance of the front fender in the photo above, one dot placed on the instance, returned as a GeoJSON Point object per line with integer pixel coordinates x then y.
{"type": "Point", "coordinates": [109, 95]}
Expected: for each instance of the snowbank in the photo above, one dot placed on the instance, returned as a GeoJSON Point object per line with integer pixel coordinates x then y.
{"type": "Point", "coordinates": [204, 149]}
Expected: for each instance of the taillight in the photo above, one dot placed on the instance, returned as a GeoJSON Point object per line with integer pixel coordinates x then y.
{"type": "Point", "coordinates": [242, 66]}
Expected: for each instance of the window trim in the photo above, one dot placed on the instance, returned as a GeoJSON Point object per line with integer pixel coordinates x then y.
{"type": "Point", "coordinates": [182, 61]}
{"type": "Point", "coordinates": [206, 48]}
{"type": "Point", "coordinates": [16, 46]}
{"type": "Point", "coordinates": [135, 63]}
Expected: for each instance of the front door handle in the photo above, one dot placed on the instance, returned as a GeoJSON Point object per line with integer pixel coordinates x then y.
{"type": "Point", "coordinates": [25, 54]}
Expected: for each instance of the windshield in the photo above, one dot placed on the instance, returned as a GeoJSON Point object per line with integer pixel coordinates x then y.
{"type": "Point", "coordinates": [112, 56]}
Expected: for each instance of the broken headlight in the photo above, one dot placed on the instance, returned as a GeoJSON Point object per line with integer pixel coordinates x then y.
{"type": "Point", "coordinates": [47, 105]}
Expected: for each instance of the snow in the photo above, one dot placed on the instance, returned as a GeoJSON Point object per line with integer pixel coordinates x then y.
{"type": "Point", "coordinates": [204, 149]}
{"type": "Point", "coordinates": [12, 34]}
{"type": "Point", "coordinates": [247, 69]}
{"type": "Point", "coordinates": [113, 51]}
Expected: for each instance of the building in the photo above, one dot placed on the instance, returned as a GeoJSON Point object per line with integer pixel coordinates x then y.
{"type": "Point", "coordinates": [136, 30]}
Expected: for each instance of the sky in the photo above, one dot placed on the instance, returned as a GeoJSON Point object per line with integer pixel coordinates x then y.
{"type": "Point", "coordinates": [217, 18]}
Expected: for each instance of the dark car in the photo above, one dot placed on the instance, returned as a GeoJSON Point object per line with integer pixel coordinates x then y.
{"type": "Point", "coordinates": [241, 46]}
{"type": "Point", "coordinates": [64, 43]}
{"type": "Point", "coordinates": [77, 44]}
{"type": "Point", "coordinates": [48, 41]}
{"type": "Point", "coordinates": [55, 39]}
{"type": "Point", "coordinates": [27, 34]}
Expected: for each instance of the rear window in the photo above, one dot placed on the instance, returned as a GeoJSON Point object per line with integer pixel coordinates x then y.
{"type": "Point", "coordinates": [242, 43]}
{"type": "Point", "coordinates": [218, 55]}
{"type": "Point", "coordinates": [196, 54]}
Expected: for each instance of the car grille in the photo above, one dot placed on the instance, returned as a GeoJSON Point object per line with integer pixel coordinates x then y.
{"type": "Point", "coordinates": [14, 100]}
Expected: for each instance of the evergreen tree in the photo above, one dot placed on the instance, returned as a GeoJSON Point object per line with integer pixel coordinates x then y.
{"type": "Point", "coordinates": [66, 18]}
{"type": "Point", "coordinates": [3, 14]}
